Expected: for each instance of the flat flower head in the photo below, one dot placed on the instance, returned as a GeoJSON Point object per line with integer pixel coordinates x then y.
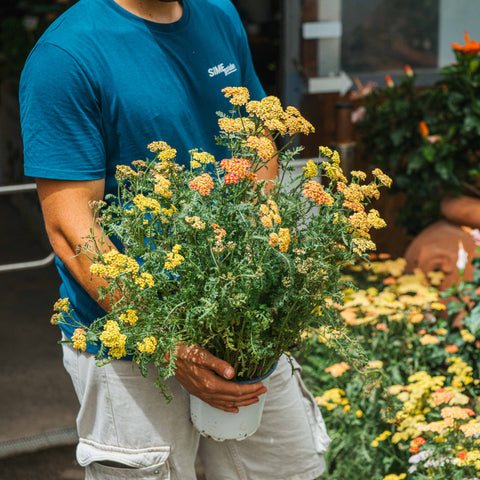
{"type": "Point", "coordinates": [315, 191]}
{"type": "Point", "coordinates": [238, 95]}
{"type": "Point", "coordinates": [338, 369]}
{"type": "Point", "coordinates": [203, 184]}
{"type": "Point", "coordinates": [310, 170]}
{"type": "Point", "coordinates": [79, 339]}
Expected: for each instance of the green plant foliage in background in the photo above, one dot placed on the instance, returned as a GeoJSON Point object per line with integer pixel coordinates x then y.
{"type": "Point", "coordinates": [427, 139]}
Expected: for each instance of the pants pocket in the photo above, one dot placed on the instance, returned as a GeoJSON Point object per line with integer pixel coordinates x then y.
{"type": "Point", "coordinates": [107, 462]}
{"type": "Point", "coordinates": [317, 424]}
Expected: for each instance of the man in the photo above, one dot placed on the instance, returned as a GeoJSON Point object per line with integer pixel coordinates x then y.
{"type": "Point", "coordinates": [106, 79]}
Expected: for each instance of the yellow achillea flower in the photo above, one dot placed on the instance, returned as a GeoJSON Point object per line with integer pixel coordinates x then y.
{"type": "Point", "coordinates": [174, 259]}
{"type": "Point", "coordinates": [62, 305]}
{"type": "Point", "coordinates": [145, 280]}
{"type": "Point", "coordinates": [238, 95]}
{"type": "Point", "coordinates": [114, 264]}
{"type": "Point", "coordinates": [148, 345]}
{"type": "Point", "coordinates": [296, 123]}
{"type": "Point", "coordinates": [438, 427]}
{"type": "Point", "coordinates": [195, 222]}
{"type": "Point", "coordinates": [283, 239]}
{"type": "Point", "coordinates": [162, 186]}
{"type": "Point", "coordinates": [124, 171]}
{"type": "Point", "coordinates": [203, 184]}
{"type": "Point", "coordinates": [358, 174]}
{"type": "Point", "coordinates": [235, 125]}
{"type": "Point", "coordinates": [112, 338]}
{"type": "Point", "coordinates": [130, 317]}
{"type": "Point", "coordinates": [269, 108]}
{"type": "Point", "coordinates": [371, 190]}
{"type": "Point", "coordinates": [273, 239]}
{"type": "Point", "coordinates": [269, 214]}
{"type": "Point", "coordinates": [202, 157]}
{"type": "Point", "coordinates": [145, 203]}
{"type": "Point", "coordinates": [262, 145]}
{"type": "Point", "coordinates": [310, 170]}
{"type": "Point", "coordinates": [79, 339]}
{"type": "Point", "coordinates": [158, 146]}
{"type": "Point", "coordinates": [315, 191]}
{"type": "Point", "coordinates": [166, 155]}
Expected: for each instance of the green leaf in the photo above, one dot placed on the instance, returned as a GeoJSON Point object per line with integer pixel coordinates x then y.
{"type": "Point", "coordinates": [472, 320]}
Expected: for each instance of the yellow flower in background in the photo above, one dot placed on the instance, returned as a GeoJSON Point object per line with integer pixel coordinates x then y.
{"type": "Point", "coordinates": [359, 414]}
{"type": "Point", "coordinates": [381, 438]}
{"type": "Point", "coordinates": [429, 340]}
{"type": "Point", "coordinates": [394, 476]}
{"type": "Point", "coordinates": [438, 306]}
{"type": "Point", "coordinates": [467, 336]}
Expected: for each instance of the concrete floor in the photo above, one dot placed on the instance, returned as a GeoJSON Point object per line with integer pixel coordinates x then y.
{"type": "Point", "coordinates": [37, 418]}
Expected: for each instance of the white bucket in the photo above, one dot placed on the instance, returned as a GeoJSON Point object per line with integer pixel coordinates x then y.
{"type": "Point", "coordinates": [219, 425]}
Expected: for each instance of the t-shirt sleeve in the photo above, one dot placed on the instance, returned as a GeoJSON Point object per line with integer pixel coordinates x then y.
{"type": "Point", "coordinates": [60, 117]}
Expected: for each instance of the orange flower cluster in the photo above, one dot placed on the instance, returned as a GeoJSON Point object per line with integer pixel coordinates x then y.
{"type": "Point", "coordinates": [471, 46]}
{"type": "Point", "coordinates": [315, 191]}
{"type": "Point", "coordinates": [237, 169]}
{"type": "Point", "coordinates": [338, 369]}
{"type": "Point", "coordinates": [203, 184]}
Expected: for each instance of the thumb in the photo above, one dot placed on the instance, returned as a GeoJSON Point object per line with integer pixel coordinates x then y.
{"type": "Point", "coordinates": [220, 367]}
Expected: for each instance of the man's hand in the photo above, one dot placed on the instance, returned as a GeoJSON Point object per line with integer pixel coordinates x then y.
{"type": "Point", "coordinates": [207, 377]}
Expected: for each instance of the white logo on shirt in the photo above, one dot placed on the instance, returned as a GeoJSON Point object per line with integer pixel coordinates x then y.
{"type": "Point", "coordinates": [221, 68]}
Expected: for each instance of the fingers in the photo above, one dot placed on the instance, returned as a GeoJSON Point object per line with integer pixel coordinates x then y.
{"type": "Point", "coordinates": [206, 376]}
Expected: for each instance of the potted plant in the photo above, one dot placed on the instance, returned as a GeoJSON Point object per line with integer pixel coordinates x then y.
{"type": "Point", "coordinates": [210, 255]}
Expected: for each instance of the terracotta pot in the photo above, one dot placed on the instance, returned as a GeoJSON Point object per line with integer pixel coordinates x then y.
{"type": "Point", "coordinates": [462, 210]}
{"type": "Point", "coordinates": [436, 249]}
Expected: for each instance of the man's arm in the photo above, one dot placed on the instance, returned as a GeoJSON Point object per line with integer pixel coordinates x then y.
{"type": "Point", "coordinates": [68, 221]}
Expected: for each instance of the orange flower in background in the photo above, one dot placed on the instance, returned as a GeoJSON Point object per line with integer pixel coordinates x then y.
{"type": "Point", "coordinates": [422, 126]}
{"type": "Point", "coordinates": [451, 349]}
{"type": "Point", "coordinates": [338, 369]}
{"type": "Point", "coordinates": [419, 441]}
{"type": "Point", "coordinates": [462, 455]}
{"type": "Point", "coordinates": [389, 81]}
{"type": "Point", "coordinates": [414, 449]}
{"type": "Point", "coordinates": [408, 71]}
{"type": "Point", "coordinates": [471, 46]}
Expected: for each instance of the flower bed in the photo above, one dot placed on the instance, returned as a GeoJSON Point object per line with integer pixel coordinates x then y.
{"type": "Point", "coordinates": [421, 419]}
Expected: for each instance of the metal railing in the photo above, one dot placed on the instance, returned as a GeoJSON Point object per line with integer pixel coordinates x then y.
{"type": "Point", "coordinates": [43, 262]}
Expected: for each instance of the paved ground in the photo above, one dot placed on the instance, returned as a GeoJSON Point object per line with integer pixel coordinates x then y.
{"type": "Point", "coordinates": [38, 402]}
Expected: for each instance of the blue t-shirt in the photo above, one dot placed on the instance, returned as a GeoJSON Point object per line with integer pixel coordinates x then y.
{"type": "Point", "coordinates": [102, 83]}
